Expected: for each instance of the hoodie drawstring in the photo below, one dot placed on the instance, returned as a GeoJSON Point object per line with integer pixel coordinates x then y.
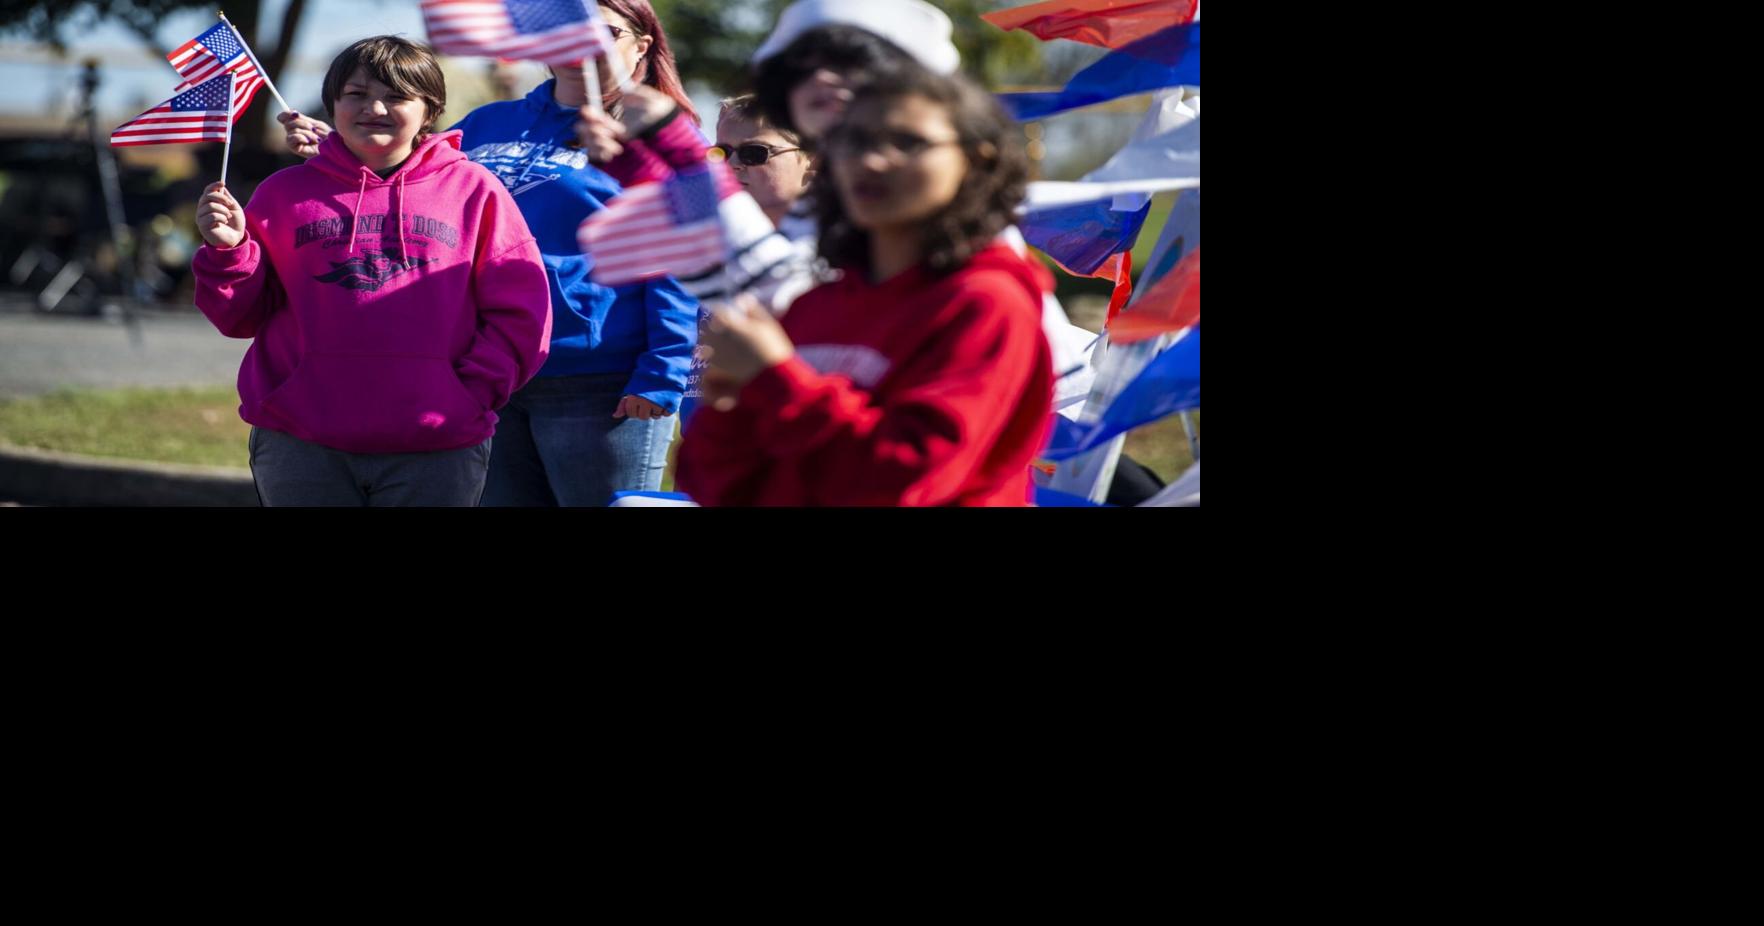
{"type": "Point", "coordinates": [355, 220]}
{"type": "Point", "coordinates": [403, 245]}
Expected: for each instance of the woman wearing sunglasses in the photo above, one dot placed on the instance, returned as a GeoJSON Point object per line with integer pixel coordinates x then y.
{"type": "Point", "coordinates": [647, 142]}
{"type": "Point", "coordinates": [769, 161]}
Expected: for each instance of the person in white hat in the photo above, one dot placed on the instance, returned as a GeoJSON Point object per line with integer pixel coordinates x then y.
{"type": "Point", "coordinates": [822, 51]}
{"type": "Point", "coordinates": [915, 27]}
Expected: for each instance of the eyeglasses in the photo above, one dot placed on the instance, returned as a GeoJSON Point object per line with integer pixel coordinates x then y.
{"type": "Point", "coordinates": [749, 155]}
{"type": "Point", "coordinates": [850, 141]}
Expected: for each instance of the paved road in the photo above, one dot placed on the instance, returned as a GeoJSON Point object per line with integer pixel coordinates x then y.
{"type": "Point", "coordinates": [39, 353]}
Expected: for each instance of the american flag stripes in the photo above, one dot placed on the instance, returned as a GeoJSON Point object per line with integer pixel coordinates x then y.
{"type": "Point", "coordinates": [549, 31]}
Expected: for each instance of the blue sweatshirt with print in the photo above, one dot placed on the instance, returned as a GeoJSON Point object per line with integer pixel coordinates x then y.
{"type": "Point", "coordinates": [646, 330]}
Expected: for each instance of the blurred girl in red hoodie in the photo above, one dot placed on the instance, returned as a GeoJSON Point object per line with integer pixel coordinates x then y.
{"type": "Point", "coordinates": [921, 377]}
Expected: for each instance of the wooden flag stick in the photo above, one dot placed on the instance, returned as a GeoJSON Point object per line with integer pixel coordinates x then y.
{"type": "Point", "coordinates": [253, 56]}
{"type": "Point", "coordinates": [227, 150]}
{"type": "Point", "coordinates": [591, 73]}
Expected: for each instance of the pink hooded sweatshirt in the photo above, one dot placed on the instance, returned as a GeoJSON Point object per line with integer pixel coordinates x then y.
{"type": "Point", "coordinates": [390, 316]}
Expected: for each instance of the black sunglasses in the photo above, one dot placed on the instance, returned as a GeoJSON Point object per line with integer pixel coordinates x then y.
{"type": "Point", "coordinates": [751, 155]}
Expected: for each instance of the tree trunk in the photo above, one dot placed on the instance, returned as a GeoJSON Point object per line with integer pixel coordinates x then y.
{"type": "Point", "coordinates": [277, 59]}
{"type": "Point", "coordinates": [249, 131]}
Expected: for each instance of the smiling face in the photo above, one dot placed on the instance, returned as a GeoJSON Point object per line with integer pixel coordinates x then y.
{"type": "Point", "coordinates": [384, 93]}
{"type": "Point", "coordinates": [378, 123]}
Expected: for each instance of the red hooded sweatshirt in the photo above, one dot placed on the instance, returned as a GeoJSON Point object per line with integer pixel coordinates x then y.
{"type": "Point", "coordinates": [921, 390]}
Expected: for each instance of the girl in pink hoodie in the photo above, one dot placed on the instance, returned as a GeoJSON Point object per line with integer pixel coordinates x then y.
{"type": "Point", "coordinates": [393, 291]}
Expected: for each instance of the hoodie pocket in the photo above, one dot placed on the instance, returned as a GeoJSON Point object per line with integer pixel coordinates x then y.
{"type": "Point", "coordinates": [379, 403]}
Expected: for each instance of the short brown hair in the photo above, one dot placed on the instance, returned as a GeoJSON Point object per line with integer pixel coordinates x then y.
{"type": "Point", "coordinates": [399, 63]}
{"type": "Point", "coordinates": [747, 107]}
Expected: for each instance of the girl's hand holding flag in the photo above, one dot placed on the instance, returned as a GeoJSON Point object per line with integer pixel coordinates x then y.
{"type": "Point", "coordinates": [219, 217]}
{"type": "Point", "coordinates": [741, 341]}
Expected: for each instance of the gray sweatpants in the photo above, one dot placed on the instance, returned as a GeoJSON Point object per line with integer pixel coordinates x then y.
{"type": "Point", "coordinates": [292, 472]}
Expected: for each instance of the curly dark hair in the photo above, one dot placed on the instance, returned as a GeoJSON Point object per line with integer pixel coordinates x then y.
{"type": "Point", "coordinates": [862, 56]}
{"type": "Point", "coordinates": [984, 205]}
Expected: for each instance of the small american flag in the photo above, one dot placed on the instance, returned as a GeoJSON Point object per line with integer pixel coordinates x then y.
{"type": "Point", "coordinates": [201, 113]}
{"type": "Point", "coordinates": [213, 52]}
{"type": "Point", "coordinates": [549, 31]}
{"type": "Point", "coordinates": [671, 228]}
{"type": "Point", "coordinates": [246, 84]}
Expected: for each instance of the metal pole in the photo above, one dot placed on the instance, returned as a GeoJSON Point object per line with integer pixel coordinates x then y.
{"type": "Point", "coordinates": [120, 237]}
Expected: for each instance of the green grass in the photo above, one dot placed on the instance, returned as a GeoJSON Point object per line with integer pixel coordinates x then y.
{"type": "Point", "coordinates": [1155, 219]}
{"type": "Point", "coordinates": [667, 483]}
{"type": "Point", "coordinates": [1163, 446]}
{"type": "Point", "coordinates": [200, 426]}
{"type": "Point", "coordinates": [164, 425]}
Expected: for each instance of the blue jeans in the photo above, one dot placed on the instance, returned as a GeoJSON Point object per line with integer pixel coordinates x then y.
{"type": "Point", "coordinates": [557, 444]}
{"type": "Point", "coordinates": [290, 471]}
